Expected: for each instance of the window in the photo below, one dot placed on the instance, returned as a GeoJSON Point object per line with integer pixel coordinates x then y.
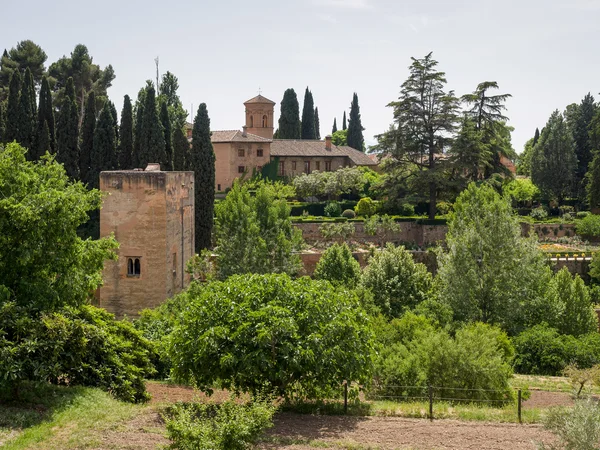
{"type": "Point", "coordinates": [327, 166]}
{"type": "Point", "coordinates": [281, 169]}
{"type": "Point", "coordinates": [219, 187]}
{"type": "Point", "coordinates": [318, 165]}
{"type": "Point", "coordinates": [293, 165]}
{"type": "Point", "coordinates": [265, 121]}
{"type": "Point", "coordinates": [259, 152]}
{"type": "Point", "coordinates": [306, 166]}
{"type": "Point", "coordinates": [133, 267]}
{"type": "Point", "coordinates": [251, 121]}
{"type": "Point", "coordinates": [241, 152]}
{"type": "Point", "coordinates": [241, 169]}
{"type": "Point", "coordinates": [174, 264]}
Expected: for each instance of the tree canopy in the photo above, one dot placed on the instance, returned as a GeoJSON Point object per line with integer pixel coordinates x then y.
{"type": "Point", "coordinates": [289, 119]}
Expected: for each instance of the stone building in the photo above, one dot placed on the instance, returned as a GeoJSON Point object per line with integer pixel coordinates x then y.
{"type": "Point", "coordinates": [242, 152]}
{"type": "Point", "coordinates": [151, 214]}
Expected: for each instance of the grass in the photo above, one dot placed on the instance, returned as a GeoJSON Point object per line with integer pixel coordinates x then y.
{"type": "Point", "coordinates": [53, 417]}
{"type": "Point", "coordinates": [549, 384]}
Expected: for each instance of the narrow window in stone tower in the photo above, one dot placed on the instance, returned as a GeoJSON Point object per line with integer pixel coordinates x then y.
{"type": "Point", "coordinates": [174, 264]}
{"type": "Point", "coordinates": [137, 270]}
{"type": "Point", "coordinates": [251, 121]}
{"type": "Point", "coordinates": [133, 267]}
{"type": "Point", "coordinates": [265, 121]}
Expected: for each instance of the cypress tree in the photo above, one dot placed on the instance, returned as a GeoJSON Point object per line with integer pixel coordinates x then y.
{"type": "Point", "coordinates": [126, 135]}
{"type": "Point", "coordinates": [87, 138]}
{"type": "Point", "coordinates": [289, 119]}
{"type": "Point", "coordinates": [334, 128]}
{"type": "Point", "coordinates": [1, 123]}
{"type": "Point", "coordinates": [12, 108]}
{"type": "Point", "coordinates": [113, 112]}
{"type": "Point", "coordinates": [181, 147]}
{"type": "Point", "coordinates": [355, 129]}
{"type": "Point", "coordinates": [67, 132]}
{"type": "Point", "coordinates": [317, 125]}
{"type": "Point", "coordinates": [103, 149]}
{"type": "Point", "coordinates": [139, 121]}
{"type": "Point", "coordinates": [113, 163]}
{"type": "Point", "coordinates": [45, 140]}
{"type": "Point", "coordinates": [344, 122]}
{"type": "Point", "coordinates": [202, 162]}
{"type": "Point", "coordinates": [27, 112]}
{"type": "Point", "coordinates": [152, 139]}
{"type": "Point", "coordinates": [536, 137]}
{"type": "Point", "coordinates": [166, 123]}
{"type": "Point", "coordinates": [308, 116]}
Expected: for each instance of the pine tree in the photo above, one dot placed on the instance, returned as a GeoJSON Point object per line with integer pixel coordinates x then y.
{"type": "Point", "coordinates": [27, 113]}
{"type": "Point", "coordinates": [536, 137]}
{"type": "Point", "coordinates": [334, 128]}
{"type": "Point", "coordinates": [355, 128]}
{"type": "Point", "coordinates": [308, 116]}
{"type": "Point", "coordinates": [166, 123]}
{"type": "Point", "coordinates": [152, 139]}
{"type": "Point", "coordinates": [317, 125]}
{"type": "Point", "coordinates": [289, 119]}
{"type": "Point", "coordinates": [12, 108]}
{"type": "Point", "coordinates": [87, 139]}
{"type": "Point", "coordinates": [126, 135]}
{"type": "Point", "coordinates": [44, 139]}
{"type": "Point", "coordinates": [344, 122]}
{"type": "Point", "coordinates": [181, 147]}
{"type": "Point", "coordinates": [104, 147]}
{"type": "Point", "coordinates": [67, 132]}
{"type": "Point", "coordinates": [202, 162]}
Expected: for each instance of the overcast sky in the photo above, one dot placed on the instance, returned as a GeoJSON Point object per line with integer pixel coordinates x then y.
{"type": "Point", "coordinates": [544, 53]}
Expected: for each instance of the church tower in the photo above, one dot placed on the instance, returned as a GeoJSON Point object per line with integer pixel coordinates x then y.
{"type": "Point", "coordinates": [259, 116]}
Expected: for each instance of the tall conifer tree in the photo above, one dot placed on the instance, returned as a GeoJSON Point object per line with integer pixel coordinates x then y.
{"type": "Point", "coordinates": [12, 108]}
{"type": "Point", "coordinates": [27, 115]}
{"type": "Point", "coordinates": [202, 162]}
{"type": "Point", "coordinates": [152, 139]}
{"type": "Point", "coordinates": [114, 162]}
{"type": "Point", "coordinates": [167, 164]}
{"type": "Point", "coordinates": [44, 139]}
{"type": "Point", "coordinates": [317, 125]}
{"type": "Point", "coordinates": [334, 128]}
{"type": "Point", "coordinates": [536, 137]}
{"type": "Point", "coordinates": [181, 147]}
{"type": "Point", "coordinates": [1, 124]}
{"type": "Point", "coordinates": [344, 122]}
{"type": "Point", "coordinates": [67, 132]}
{"type": "Point", "coordinates": [137, 132]}
{"type": "Point", "coordinates": [126, 135]}
{"type": "Point", "coordinates": [355, 137]}
{"type": "Point", "coordinates": [87, 139]}
{"type": "Point", "coordinates": [308, 116]}
{"type": "Point", "coordinates": [104, 147]}
{"type": "Point", "coordinates": [289, 119]}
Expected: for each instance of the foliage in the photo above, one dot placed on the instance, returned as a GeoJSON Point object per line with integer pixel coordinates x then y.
{"type": "Point", "coordinates": [227, 426]}
{"type": "Point", "coordinates": [181, 149]}
{"type": "Point", "coordinates": [346, 180]}
{"type": "Point", "coordinates": [125, 149]}
{"type": "Point", "coordinates": [169, 85]}
{"type": "Point", "coordinates": [366, 207]}
{"type": "Point", "coordinates": [577, 428]}
{"type": "Point", "coordinates": [344, 127]}
{"type": "Point", "coordinates": [308, 117]}
{"type": "Point", "coordinates": [443, 208]}
{"type": "Point", "coordinates": [396, 281]}
{"type": "Point", "coordinates": [594, 271]}
{"type": "Point", "coordinates": [524, 160]}
{"type": "Point", "coordinates": [86, 149]}
{"type": "Point", "coordinates": [355, 129]}
{"type": "Point", "coordinates": [254, 234]}
{"type": "Point", "coordinates": [27, 114]}
{"type": "Point", "coordinates": [540, 213]}
{"type": "Point", "coordinates": [382, 226]}
{"type": "Point", "coordinates": [67, 132]}
{"type": "Point", "coordinates": [152, 138]}
{"type": "Point", "coordinates": [349, 214]}
{"type": "Point", "coordinates": [296, 338]}
{"type": "Point", "coordinates": [333, 209]}
{"type": "Point", "coordinates": [12, 108]}
{"type": "Point", "coordinates": [589, 225]}
{"type": "Point", "coordinates": [334, 127]}
{"type": "Point", "coordinates": [581, 377]}
{"type": "Point", "coordinates": [26, 55]}
{"type": "Point", "coordinates": [490, 273]}
{"type": "Point", "coordinates": [165, 120]}
{"type": "Point", "coordinates": [338, 231]}
{"type": "Point", "coordinates": [45, 118]}
{"type": "Point", "coordinates": [340, 138]}
{"type": "Point", "coordinates": [317, 125]}
{"type": "Point", "coordinates": [202, 162]}
{"type": "Point", "coordinates": [103, 148]}
{"type": "Point", "coordinates": [289, 118]}
{"type": "Point", "coordinates": [43, 263]}
{"type": "Point", "coordinates": [338, 266]}
{"type": "Point", "coordinates": [76, 346]}
{"type": "Point", "coordinates": [521, 190]}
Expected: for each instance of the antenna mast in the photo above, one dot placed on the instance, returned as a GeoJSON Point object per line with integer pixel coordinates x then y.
{"type": "Point", "coordinates": [156, 62]}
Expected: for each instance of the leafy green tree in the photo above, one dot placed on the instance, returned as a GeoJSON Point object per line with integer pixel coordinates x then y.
{"type": "Point", "coordinates": [355, 128]}
{"type": "Point", "coordinates": [317, 125]}
{"type": "Point", "coordinates": [490, 273]}
{"type": "Point", "coordinates": [524, 160]}
{"type": "Point", "coordinates": [340, 138]}
{"type": "Point", "coordinates": [2, 124]}
{"type": "Point", "coordinates": [202, 162]}
{"type": "Point", "coordinates": [44, 263]}
{"type": "Point", "coordinates": [486, 109]}
{"type": "Point", "coordinates": [396, 281]}
{"type": "Point", "coordinates": [553, 161]}
{"type": "Point", "coordinates": [425, 114]}
{"type": "Point", "coordinates": [87, 173]}
{"type": "Point", "coordinates": [125, 148]}
{"type": "Point", "coordinates": [344, 127]}
{"type": "Point", "coordinates": [334, 128]}
{"type": "Point", "coordinates": [27, 114]}
{"type": "Point", "coordinates": [289, 119]}
{"type": "Point", "coordinates": [593, 186]}
{"type": "Point", "coordinates": [470, 154]}
{"type": "Point", "coordinates": [254, 234]}
{"type": "Point", "coordinates": [259, 333]}
{"type": "Point", "coordinates": [338, 266]}
{"type": "Point", "coordinates": [104, 146]}
{"type": "Point", "coordinates": [308, 117]}
{"type": "Point", "coordinates": [165, 120]}
{"type": "Point", "coordinates": [26, 55]}
{"type": "Point", "coordinates": [169, 86]}
{"type": "Point", "coordinates": [152, 138]}
{"type": "Point", "coordinates": [181, 147]}
{"type": "Point", "coordinates": [12, 108]}
{"type": "Point", "coordinates": [67, 132]}
{"type": "Point", "coordinates": [45, 129]}
{"type": "Point", "coordinates": [521, 190]}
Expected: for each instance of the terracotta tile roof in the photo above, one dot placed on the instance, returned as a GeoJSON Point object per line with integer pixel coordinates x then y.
{"type": "Point", "coordinates": [291, 147]}
{"type": "Point", "coordinates": [235, 136]}
{"type": "Point", "coordinates": [259, 99]}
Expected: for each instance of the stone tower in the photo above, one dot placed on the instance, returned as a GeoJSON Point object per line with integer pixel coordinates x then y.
{"type": "Point", "coordinates": [151, 214]}
{"type": "Point", "coordinates": [259, 116]}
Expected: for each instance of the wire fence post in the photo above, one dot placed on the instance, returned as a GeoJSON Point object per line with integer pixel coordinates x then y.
{"type": "Point", "coordinates": [519, 402]}
{"type": "Point", "coordinates": [430, 403]}
{"type": "Point", "coordinates": [346, 397]}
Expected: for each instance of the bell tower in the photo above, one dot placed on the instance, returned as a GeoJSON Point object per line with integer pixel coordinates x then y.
{"type": "Point", "coordinates": [259, 116]}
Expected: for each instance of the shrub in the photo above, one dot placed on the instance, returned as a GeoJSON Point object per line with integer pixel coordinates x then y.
{"type": "Point", "coordinates": [228, 426]}
{"type": "Point", "coordinates": [333, 209]}
{"type": "Point", "coordinates": [589, 225]}
{"type": "Point", "coordinates": [338, 231]}
{"type": "Point", "coordinates": [443, 208]}
{"type": "Point", "coordinates": [521, 190]}
{"type": "Point", "coordinates": [381, 226]}
{"type": "Point", "coordinates": [396, 281]}
{"type": "Point", "coordinates": [406, 209]}
{"type": "Point", "coordinates": [365, 207]}
{"type": "Point", "coordinates": [577, 428]}
{"type": "Point", "coordinates": [338, 266]}
{"type": "Point", "coordinates": [539, 213]}
{"type": "Point", "coordinates": [295, 338]}
{"type": "Point", "coordinates": [582, 214]}
{"type": "Point", "coordinates": [349, 214]}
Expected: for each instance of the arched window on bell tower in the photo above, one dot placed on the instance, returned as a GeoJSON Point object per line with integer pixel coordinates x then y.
{"type": "Point", "coordinates": [265, 121]}
{"type": "Point", "coordinates": [251, 121]}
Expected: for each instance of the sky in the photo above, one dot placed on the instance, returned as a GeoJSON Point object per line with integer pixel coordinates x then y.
{"type": "Point", "coordinates": [543, 52]}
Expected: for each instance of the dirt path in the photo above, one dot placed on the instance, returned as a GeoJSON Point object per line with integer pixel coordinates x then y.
{"type": "Point", "coordinates": [302, 432]}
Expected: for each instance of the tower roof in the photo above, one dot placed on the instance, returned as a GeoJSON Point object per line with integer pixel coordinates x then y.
{"type": "Point", "coordinates": [259, 99]}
